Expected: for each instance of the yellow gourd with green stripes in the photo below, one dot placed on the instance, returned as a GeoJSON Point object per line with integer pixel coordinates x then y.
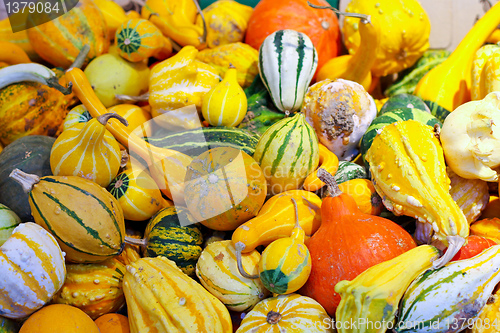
{"type": "Point", "coordinates": [226, 103]}
{"type": "Point", "coordinates": [137, 193]}
{"type": "Point", "coordinates": [285, 264]}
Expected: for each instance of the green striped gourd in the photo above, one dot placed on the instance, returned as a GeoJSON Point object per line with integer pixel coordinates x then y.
{"type": "Point", "coordinates": [8, 221]}
{"type": "Point", "coordinates": [86, 220]}
{"type": "Point", "coordinates": [77, 115]}
{"type": "Point", "coordinates": [172, 233]}
{"type": "Point", "coordinates": [33, 270]}
{"type": "Point", "coordinates": [349, 170]}
{"type": "Point", "coordinates": [287, 63]}
{"type": "Point", "coordinates": [96, 289]}
{"type": "Point", "coordinates": [391, 117]}
{"type": "Point", "coordinates": [218, 272]}
{"type": "Point", "coordinates": [287, 152]}
{"type": "Point", "coordinates": [196, 141]}
{"type": "Point", "coordinates": [448, 299]}
{"type": "Point", "coordinates": [403, 102]}
{"type": "Point", "coordinates": [8, 325]}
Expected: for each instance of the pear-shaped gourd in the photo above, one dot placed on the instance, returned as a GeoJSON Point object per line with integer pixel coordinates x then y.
{"type": "Point", "coordinates": [287, 63]}
{"type": "Point", "coordinates": [226, 103]}
{"type": "Point", "coordinates": [409, 172]}
{"type": "Point", "coordinates": [87, 150]}
{"type": "Point", "coordinates": [285, 264]}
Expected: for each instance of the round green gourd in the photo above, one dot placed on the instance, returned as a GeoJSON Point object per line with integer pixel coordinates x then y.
{"type": "Point", "coordinates": [172, 233]}
{"type": "Point", "coordinates": [349, 170]}
{"type": "Point", "coordinates": [8, 221]}
{"type": "Point", "coordinates": [403, 102]}
{"type": "Point", "coordinates": [30, 154]}
{"type": "Point", "coordinates": [391, 117]}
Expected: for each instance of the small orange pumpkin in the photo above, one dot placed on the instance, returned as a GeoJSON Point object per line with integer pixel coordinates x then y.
{"type": "Point", "coordinates": [113, 323]}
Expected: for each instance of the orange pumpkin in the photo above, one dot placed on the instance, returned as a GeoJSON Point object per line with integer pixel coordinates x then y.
{"type": "Point", "coordinates": [225, 187]}
{"type": "Point", "coordinates": [475, 245]}
{"type": "Point", "coordinates": [59, 318]}
{"type": "Point", "coordinates": [321, 26]}
{"type": "Point", "coordinates": [113, 323]}
{"type": "Point", "coordinates": [347, 243]}
{"type": "Point", "coordinates": [59, 41]}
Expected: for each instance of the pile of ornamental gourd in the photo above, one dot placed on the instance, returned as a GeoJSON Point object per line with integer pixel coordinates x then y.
{"type": "Point", "coordinates": [282, 168]}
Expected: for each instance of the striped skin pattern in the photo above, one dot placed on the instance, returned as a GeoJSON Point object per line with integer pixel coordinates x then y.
{"type": "Point", "coordinates": [391, 117]}
{"type": "Point", "coordinates": [287, 63]}
{"type": "Point", "coordinates": [8, 221]}
{"type": "Point", "coordinates": [167, 235]}
{"type": "Point", "coordinates": [285, 265]}
{"type": "Point", "coordinates": [287, 152]}
{"type": "Point", "coordinates": [138, 39]}
{"type": "Point", "coordinates": [403, 102]}
{"type": "Point", "coordinates": [59, 41]}
{"type": "Point", "coordinates": [299, 314]}
{"type": "Point", "coordinates": [160, 298]}
{"type": "Point", "coordinates": [137, 193]}
{"type": "Point", "coordinates": [435, 303]}
{"type": "Point", "coordinates": [408, 171]}
{"type": "Point", "coordinates": [85, 218]}
{"type": "Point", "coordinates": [218, 273]}
{"type": "Point", "coordinates": [96, 289]}
{"type": "Point", "coordinates": [196, 141]}
{"type": "Point", "coordinates": [349, 170]}
{"type": "Point", "coordinates": [77, 115]}
{"type": "Point", "coordinates": [33, 270]}
{"type": "Point", "coordinates": [471, 195]}
{"type": "Point", "coordinates": [87, 150]}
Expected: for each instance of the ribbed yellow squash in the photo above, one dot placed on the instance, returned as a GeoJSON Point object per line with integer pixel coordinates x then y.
{"type": "Point", "coordinates": [33, 270]}
{"type": "Point", "coordinates": [162, 299]}
{"type": "Point", "coordinates": [218, 273]}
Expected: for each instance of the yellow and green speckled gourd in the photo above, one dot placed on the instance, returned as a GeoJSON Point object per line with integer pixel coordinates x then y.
{"type": "Point", "coordinates": [87, 150]}
{"type": "Point", "coordinates": [408, 171]}
{"type": "Point", "coordinates": [96, 289]}
{"type": "Point", "coordinates": [285, 264]}
{"type": "Point", "coordinates": [161, 298]}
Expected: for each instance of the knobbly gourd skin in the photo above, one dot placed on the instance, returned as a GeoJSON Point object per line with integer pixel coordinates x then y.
{"type": "Point", "coordinates": [471, 139]}
{"type": "Point", "coordinates": [409, 172]}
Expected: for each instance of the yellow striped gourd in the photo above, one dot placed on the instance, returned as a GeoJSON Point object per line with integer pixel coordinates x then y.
{"type": "Point", "coordinates": [217, 271]}
{"type": "Point", "coordinates": [226, 103]}
{"type": "Point", "coordinates": [85, 218]}
{"type": "Point", "coordinates": [87, 150]}
{"type": "Point", "coordinates": [485, 73]}
{"type": "Point", "coordinates": [285, 264]}
{"type": "Point", "coordinates": [77, 115]}
{"type": "Point", "coordinates": [33, 270]}
{"type": "Point", "coordinates": [96, 289]}
{"type": "Point", "coordinates": [290, 313]}
{"type": "Point", "coordinates": [161, 298]}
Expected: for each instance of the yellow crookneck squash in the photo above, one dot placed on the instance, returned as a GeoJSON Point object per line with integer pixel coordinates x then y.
{"type": "Point", "coordinates": [167, 167]}
{"type": "Point", "coordinates": [448, 84]}
{"type": "Point", "coordinates": [88, 150]}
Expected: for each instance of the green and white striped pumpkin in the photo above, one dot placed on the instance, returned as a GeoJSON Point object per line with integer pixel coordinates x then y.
{"type": "Point", "coordinates": [218, 272]}
{"type": "Point", "coordinates": [33, 270]}
{"type": "Point", "coordinates": [349, 170]}
{"type": "Point", "coordinates": [287, 63]}
{"type": "Point", "coordinates": [172, 233]}
{"type": "Point", "coordinates": [8, 221]}
{"type": "Point", "coordinates": [86, 220]}
{"type": "Point", "coordinates": [443, 299]}
{"type": "Point", "coordinates": [391, 117]}
{"type": "Point", "coordinates": [287, 153]}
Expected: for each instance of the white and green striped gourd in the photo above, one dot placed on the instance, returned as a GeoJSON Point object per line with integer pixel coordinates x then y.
{"type": "Point", "coordinates": [287, 63]}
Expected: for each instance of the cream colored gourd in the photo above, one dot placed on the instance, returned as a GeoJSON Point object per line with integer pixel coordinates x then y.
{"type": "Point", "coordinates": [471, 139]}
{"type": "Point", "coordinates": [33, 270]}
{"type": "Point", "coordinates": [226, 103]}
{"type": "Point", "coordinates": [485, 73]}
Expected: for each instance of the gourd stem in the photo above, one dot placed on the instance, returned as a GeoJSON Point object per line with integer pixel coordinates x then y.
{"type": "Point", "coordinates": [26, 180]}
{"type": "Point", "coordinates": [80, 58]}
{"type": "Point", "coordinates": [134, 241]}
{"type": "Point", "coordinates": [53, 82]}
{"type": "Point", "coordinates": [205, 30]}
{"type": "Point", "coordinates": [239, 247]}
{"type": "Point", "coordinates": [273, 317]}
{"type": "Point", "coordinates": [127, 98]}
{"type": "Point", "coordinates": [364, 18]}
{"type": "Point", "coordinates": [330, 182]}
{"type": "Point", "coordinates": [297, 225]}
{"type": "Point", "coordinates": [104, 118]}
{"type": "Point", "coordinates": [455, 243]}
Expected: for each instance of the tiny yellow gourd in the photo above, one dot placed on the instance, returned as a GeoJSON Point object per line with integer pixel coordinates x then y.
{"type": "Point", "coordinates": [285, 264]}
{"type": "Point", "coordinates": [226, 103]}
